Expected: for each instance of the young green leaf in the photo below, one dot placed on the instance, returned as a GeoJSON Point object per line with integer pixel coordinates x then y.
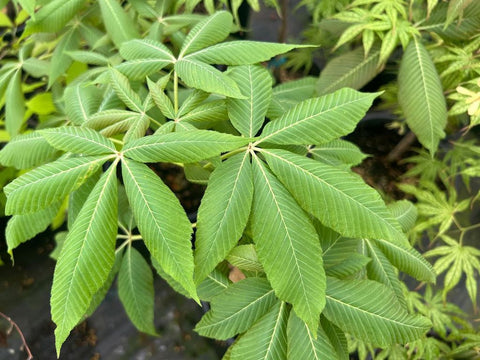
{"type": "Point", "coordinates": [338, 151]}
{"type": "Point", "coordinates": [14, 104]}
{"type": "Point", "coordinates": [245, 257]}
{"type": "Point", "coordinates": [53, 16]}
{"type": "Point", "coordinates": [420, 95]}
{"type": "Point", "coordinates": [60, 61]}
{"type": "Point", "coordinates": [80, 140]}
{"type": "Point", "coordinates": [21, 228]}
{"type": "Point", "coordinates": [241, 52]}
{"type": "Point", "coordinates": [162, 222]}
{"type": "Point", "coordinates": [124, 91]}
{"type": "Point", "coordinates": [302, 344]}
{"type": "Point", "coordinates": [223, 213]}
{"type": "Point", "coordinates": [120, 27]}
{"type": "Point", "coordinates": [189, 146]}
{"type": "Point", "coordinates": [248, 115]}
{"type": "Point", "coordinates": [205, 77]}
{"type": "Point", "coordinates": [161, 99]}
{"type": "Point", "coordinates": [319, 120]}
{"type": "Point", "coordinates": [193, 101]}
{"type": "Point", "coordinates": [26, 151]}
{"type": "Point", "coordinates": [87, 256]}
{"type": "Point", "coordinates": [210, 31]}
{"type": "Point", "coordinates": [370, 311]}
{"type": "Point", "coordinates": [49, 183]}
{"type": "Point", "coordinates": [351, 69]}
{"type": "Point", "coordinates": [135, 289]}
{"type": "Point", "coordinates": [146, 49]}
{"type": "Point", "coordinates": [287, 246]}
{"type": "Point", "coordinates": [211, 111]}
{"type": "Point", "coordinates": [266, 339]}
{"type": "Point", "coordinates": [405, 213]}
{"type": "Point", "coordinates": [82, 102]}
{"type": "Point", "coordinates": [237, 308]}
{"type": "Point", "coordinates": [355, 209]}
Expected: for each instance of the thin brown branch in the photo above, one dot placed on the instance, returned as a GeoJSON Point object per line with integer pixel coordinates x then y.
{"type": "Point", "coordinates": [13, 324]}
{"type": "Point", "coordinates": [401, 147]}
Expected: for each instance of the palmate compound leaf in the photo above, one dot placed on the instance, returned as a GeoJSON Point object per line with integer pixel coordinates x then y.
{"type": "Point", "coordinates": [135, 289]}
{"type": "Point", "coordinates": [200, 75]}
{"type": "Point", "coordinates": [223, 213]}
{"type": "Point", "coordinates": [80, 140]}
{"type": "Point", "coordinates": [236, 309]}
{"type": "Point", "coordinates": [49, 183]}
{"type": "Point", "coordinates": [267, 338]}
{"type": "Point", "coordinates": [241, 52]}
{"type": "Point", "coordinates": [303, 345]}
{"type": "Point", "coordinates": [354, 208]}
{"type": "Point", "coordinates": [370, 311]}
{"type": "Point", "coordinates": [86, 258]}
{"type": "Point", "coordinates": [248, 115]}
{"type": "Point", "coordinates": [162, 222]}
{"type": "Point", "coordinates": [287, 246]}
{"type": "Point", "coordinates": [420, 95]}
{"type": "Point", "coordinates": [186, 147]}
{"type": "Point", "coordinates": [319, 120]}
{"type": "Point", "coordinates": [209, 31]}
{"type": "Point", "coordinates": [26, 151]}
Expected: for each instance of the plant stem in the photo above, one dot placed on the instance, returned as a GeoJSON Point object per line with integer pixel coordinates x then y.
{"type": "Point", "coordinates": [25, 346]}
{"type": "Point", "coordinates": [175, 92]}
{"type": "Point", "coordinates": [233, 152]}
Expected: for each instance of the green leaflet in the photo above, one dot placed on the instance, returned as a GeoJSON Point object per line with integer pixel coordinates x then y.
{"type": "Point", "coordinates": [381, 270]}
{"type": "Point", "coordinates": [60, 60]}
{"type": "Point", "coordinates": [338, 152]}
{"type": "Point", "coordinates": [212, 111]}
{"type": "Point", "coordinates": [248, 115]}
{"type": "Point", "coordinates": [207, 32]}
{"type": "Point", "coordinates": [83, 101]}
{"type": "Point", "coordinates": [54, 16]}
{"type": "Point", "coordinates": [192, 102]}
{"type": "Point", "coordinates": [267, 338]}
{"type": "Point", "coordinates": [162, 222]}
{"type": "Point", "coordinates": [355, 209]}
{"type": "Point", "coordinates": [214, 284]}
{"type": "Point", "coordinates": [86, 258]}
{"type": "Point", "coordinates": [175, 285]}
{"type": "Point", "coordinates": [289, 94]}
{"type": "Point", "coordinates": [188, 146]}
{"type": "Point", "coordinates": [161, 99]}
{"type": "Point", "coordinates": [302, 344]}
{"type": "Point", "coordinates": [405, 213]}
{"type": "Point", "coordinates": [119, 25]}
{"type": "Point", "coordinates": [337, 338]}
{"type": "Point", "coordinates": [287, 246]}
{"type": "Point", "coordinates": [78, 197]}
{"type": "Point", "coordinates": [146, 49]}
{"type": "Point", "coordinates": [319, 120]}
{"type": "Point", "coordinates": [124, 91]}
{"type": "Point", "coordinates": [14, 104]}
{"type": "Point", "coordinates": [36, 67]}
{"type": "Point", "coordinates": [369, 310]}
{"type": "Point", "coordinates": [223, 213]}
{"type": "Point", "coordinates": [245, 257]}
{"type": "Point", "coordinates": [420, 95]}
{"type": "Point", "coordinates": [139, 69]}
{"type": "Point", "coordinates": [26, 151]}
{"type": "Point", "coordinates": [408, 260]}
{"type": "Point", "coordinates": [80, 140]}
{"type": "Point", "coordinates": [241, 52]}
{"type": "Point", "coordinates": [21, 228]}
{"type": "Point", "coordinates": [205, 77]}
{"type": "Point", "coordinates": [49, 183]}
{"type": "Point", "coordinates": [135, 289]}
{"type": "Point", "coordinates": [89, 57]}
{"type": "Point", "coordinates": [351, 69]}
{"type": "Point", "coordinates": [237, 308]}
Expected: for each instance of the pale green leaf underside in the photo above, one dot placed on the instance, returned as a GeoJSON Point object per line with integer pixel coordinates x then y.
{"type": "Point", "coordinates": [223, 213]}
{"type": "Point", "coordinates": [87, 256]}
{"type": "Point", "coordinates": [287, 246]}
{"type": "Point", "coordinates": [241, 52]}
{"type": "Point", "coordinates": [162, 222]}
{"type": "Point", "coordinates": [319, 120]}
{"type": "Point", "coordinates": [267, 338]}
{"type": "Point", "coordinates": [188, 146]}
{"type": "Point", "coordinates": [351, 69]}
{"type": "Point", "coordinates": [237, 308]}
{"type": "Point", "coordinates": [420, 95]}
{"type": "Point", "coordinates": [247, 115]}
{"type": "Point", "coordinates": [338, 151]}
{"type": "Point", "coordinates": [369, 310]}
{"type": "Point", "coordinates": [49, 183]}
{"type": "Point", "coordinates": [205, 77]}
{"type": "Point", "coordinates": [303, 345]}
{"type": "Point", "coordinates": [124, 91]}
{"type": "Point", "coordinates": [80, 140]}
{"type": "Point", "coordinates": [210, 112]}
{"type": "Point", "coordinates": [135, 289]}
{"type": "Point", "coordinates": [26, 151]}
{"type": "Point", "coordinates": [354, 208]}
